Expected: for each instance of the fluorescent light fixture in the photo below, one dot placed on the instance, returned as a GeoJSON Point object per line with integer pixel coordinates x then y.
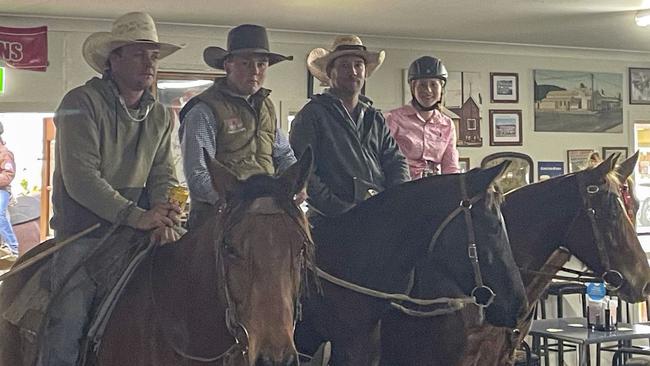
{"type": "Point", "coordinates": [168, 84]}
{"type": "Point", "coordinates": [642, 18]}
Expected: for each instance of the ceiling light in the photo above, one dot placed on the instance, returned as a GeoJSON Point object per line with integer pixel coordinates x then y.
{"type": "Point", "coordinates": [642, 18]}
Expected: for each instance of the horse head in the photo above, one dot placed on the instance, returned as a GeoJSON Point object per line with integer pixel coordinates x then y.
{"type": "Point", "coordinates": [263, 249]}
{"type": "Point", "coordinates": [481, 263]}
{"type": "Point", "coordinates": [603, 220]}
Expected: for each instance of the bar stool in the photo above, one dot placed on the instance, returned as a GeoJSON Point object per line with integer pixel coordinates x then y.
{"type": "Point", "coordinates": [559, 290]}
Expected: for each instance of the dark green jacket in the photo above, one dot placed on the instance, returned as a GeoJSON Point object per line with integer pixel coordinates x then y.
{"type": "Point", "coordinates": [349, 156]}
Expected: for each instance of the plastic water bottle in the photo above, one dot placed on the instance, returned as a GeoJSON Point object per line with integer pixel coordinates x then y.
{"type": "Point", "coordinates": [596, 305]}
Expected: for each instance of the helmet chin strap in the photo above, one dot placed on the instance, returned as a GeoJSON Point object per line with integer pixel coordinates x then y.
{"type": "Point", "coordinates": [419, 106]}
{"type": "Point", "coordinates": [414, 101]}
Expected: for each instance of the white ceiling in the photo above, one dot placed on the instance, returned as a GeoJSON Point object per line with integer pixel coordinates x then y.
{"type": "Point", "coordinates": [605, 24]}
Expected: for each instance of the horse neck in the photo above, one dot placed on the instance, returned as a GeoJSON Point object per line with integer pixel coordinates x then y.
{"type": "Point", "coordinates": [377, 243]}
{"type": "Point", "coordinates": [538, 218]}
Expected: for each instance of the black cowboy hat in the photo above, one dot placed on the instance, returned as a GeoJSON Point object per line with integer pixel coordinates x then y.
{"type": "Point", "coordinates": [245, 38]}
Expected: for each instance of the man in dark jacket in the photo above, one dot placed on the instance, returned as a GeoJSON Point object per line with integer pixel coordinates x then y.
{"type": "Point", "coordinates": [354, 153]}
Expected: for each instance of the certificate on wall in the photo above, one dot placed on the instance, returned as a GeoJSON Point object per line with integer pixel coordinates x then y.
{"type": "Point", "coordinates": [549, 169]}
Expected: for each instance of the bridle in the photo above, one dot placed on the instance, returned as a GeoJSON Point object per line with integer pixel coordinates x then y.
{"type": "Point", "coordinates": [481, 295]}
{"type": "Point", "coordinates": [235, 327]}
{"type": "Point", "coordinates": [612, 278]}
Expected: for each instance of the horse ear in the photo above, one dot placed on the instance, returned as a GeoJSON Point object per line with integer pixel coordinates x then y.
{"type": "Point", "coordinates": [625, 169]}
{"type": "Point", "coordinates": [223, 179]}
{"type": "Point", "coordinates": [488, 175]}
{"type": "Point", "coordinates": [297, 175]}
{"type": "Point", "coordinates": [606, 166]}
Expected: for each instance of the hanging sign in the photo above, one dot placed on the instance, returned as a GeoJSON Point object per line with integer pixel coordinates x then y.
{"type": "Point", "coordinates": [24, 48]}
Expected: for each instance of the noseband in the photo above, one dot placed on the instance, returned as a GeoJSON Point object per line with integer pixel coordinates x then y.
{"type": "Point", "coordinates": [235, 327]}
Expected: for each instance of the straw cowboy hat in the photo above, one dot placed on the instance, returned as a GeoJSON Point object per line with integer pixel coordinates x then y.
{"type": "Point", "coordinates": [243, 39]}
{"type": "Point", "coordinates": [128, 29]}
{"type": "Point", "coordinates": [320, 58]}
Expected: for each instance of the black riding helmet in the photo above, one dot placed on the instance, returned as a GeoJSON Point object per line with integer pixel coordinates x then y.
{"type": "Point", "coordinates": [427, 67]}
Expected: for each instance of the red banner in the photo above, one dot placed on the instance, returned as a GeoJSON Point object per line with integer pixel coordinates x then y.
{"type": "Point", "coordinates": [24, 48]}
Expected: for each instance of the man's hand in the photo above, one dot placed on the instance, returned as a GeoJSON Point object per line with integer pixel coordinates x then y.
{"type": "Point", "coordinates": [162, 215]}
{"type": "Point", "coordinates": [164, 235]}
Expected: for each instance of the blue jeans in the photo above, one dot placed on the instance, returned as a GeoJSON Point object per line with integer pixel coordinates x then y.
{"type": "Point", "coordinates": [6, 231]}
{"type": "Point", "coordinates": [68, 315]}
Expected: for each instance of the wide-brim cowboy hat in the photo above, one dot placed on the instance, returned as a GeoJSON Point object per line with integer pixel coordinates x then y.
{"type": "Point", "coordinates": [243, 39]}
{"type": "Point", "coordinates": [319, 58]}
{"type": "Point", "coordinates": [130, 28]}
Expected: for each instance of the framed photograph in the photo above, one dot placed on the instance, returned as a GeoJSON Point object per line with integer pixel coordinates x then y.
{"type": "Point", "coordinates": [577, 159]}
{"type": "Point", "coordinates": [505, 127]}
{"type": "Point", "coordinates": [464, 165]}
{"type": "Point", "coordinates": [607, 151]}
{"type": "Point", "coordinates": [578, 101]}
{"type": "Point", "coordinates": [504, 87]}
{"type": "Point", "coordinates": [639, 85]}
{"type": "Point", "coordinates": [315, 86]}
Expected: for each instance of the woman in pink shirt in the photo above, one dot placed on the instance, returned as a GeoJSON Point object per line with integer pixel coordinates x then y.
{"type": "Point", "coordinates": [425, 136]}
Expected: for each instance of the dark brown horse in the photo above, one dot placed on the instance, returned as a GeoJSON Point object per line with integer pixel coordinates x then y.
{"type": "Point", "coordinates": [377, 244]}
{"type": "Point", "coordinates": [226, 293]}
{"type": "Point", "coordinates": [582, 212]}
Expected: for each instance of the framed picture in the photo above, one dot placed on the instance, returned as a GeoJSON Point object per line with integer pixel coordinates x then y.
{"type": "Point", "coordinates": [505, 127]}
{"type": "Point", "coordinates": [578, 101]}
{"type": "Point", "coordinates": [463, 102]}
{"type": "Point", "coordinates": [464, 164]}
{"type": "Point", "coordinates": [639, 85]}
{"type": "Point", "coordinates": [315, 86]}
{"type": "Point", "coordinates": [578, 159]}
{"type": "Point", "coordinates": [549, 169]}
{"type": "Point", "coordinates": [607, 151]}
{"type": "Point", "coordinates": [504, 87]}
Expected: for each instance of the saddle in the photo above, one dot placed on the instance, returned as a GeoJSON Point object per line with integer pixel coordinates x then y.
{"type": "Point", "coordinates": [109, 267]}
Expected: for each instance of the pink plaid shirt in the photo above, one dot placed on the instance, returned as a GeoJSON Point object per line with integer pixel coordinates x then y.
{"type": "Point", "coordinates": [433, 140]}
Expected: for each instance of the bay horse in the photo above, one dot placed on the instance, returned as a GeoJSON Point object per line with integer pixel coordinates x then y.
{"type": "Point", "coordinates": [377, 244]}
{"type": "Point", "coordinates": [580, 213]}
{"type": "Point", "coordinates": [225, 293]}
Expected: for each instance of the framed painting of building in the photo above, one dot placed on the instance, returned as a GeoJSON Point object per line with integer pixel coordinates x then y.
{"type": "Point", "coordinates": [577, 101]}
{"type": "Point", "coordinates": [463, 102]}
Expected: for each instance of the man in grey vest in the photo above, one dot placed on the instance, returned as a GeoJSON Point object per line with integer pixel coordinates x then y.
{"type": "Point", "coordinates": [234, 120]}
